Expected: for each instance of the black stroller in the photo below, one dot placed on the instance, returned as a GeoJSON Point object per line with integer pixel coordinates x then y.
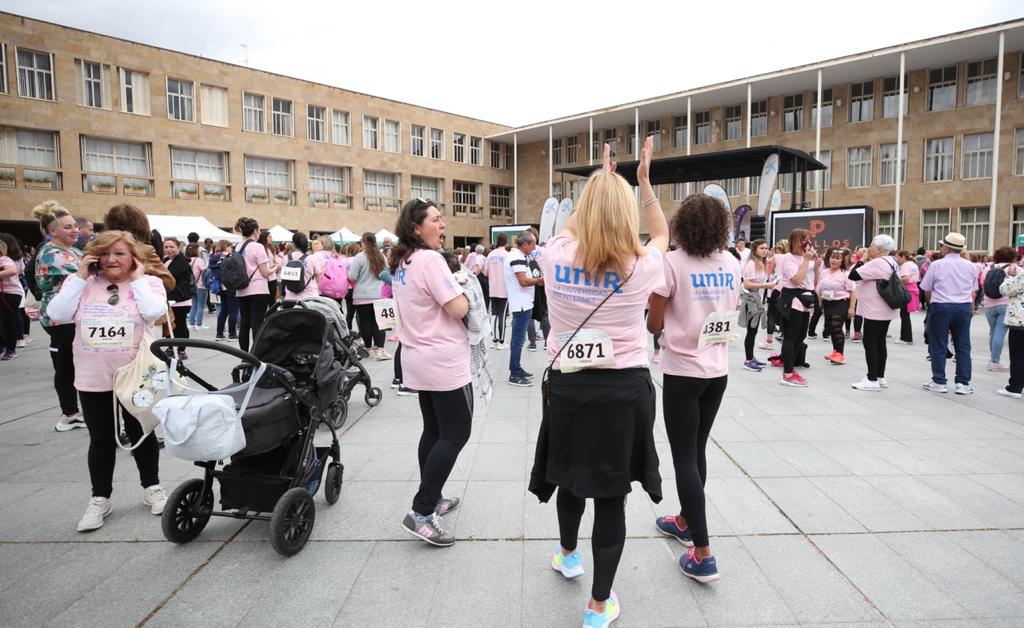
{"type": "Point", "coordinates": [279, 470]}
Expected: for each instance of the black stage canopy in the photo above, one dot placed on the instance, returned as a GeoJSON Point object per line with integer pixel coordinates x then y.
{"type": "Point", "coordinates": [726, 164]}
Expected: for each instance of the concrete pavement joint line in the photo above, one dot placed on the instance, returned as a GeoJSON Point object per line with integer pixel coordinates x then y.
{"type": "Point", "coordinates": [194, 573]}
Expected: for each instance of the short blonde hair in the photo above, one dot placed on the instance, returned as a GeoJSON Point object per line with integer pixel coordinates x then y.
{"type": "Point", "coordinates": [607, 225]}
{"type": "Point", "coordinates": [47, 212]}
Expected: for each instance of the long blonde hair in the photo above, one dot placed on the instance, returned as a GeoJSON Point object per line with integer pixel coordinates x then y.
{"type": "Point", "coordinates": [328, 244]}
{"type": "Point", "coordinates": [607, 225]}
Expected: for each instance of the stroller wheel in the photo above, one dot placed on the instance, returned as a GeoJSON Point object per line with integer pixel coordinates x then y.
{"type": "Point", "coordinates": [373, 396]}
{"type": "Point", "coordinates": [187, 512]}
{"type": "Point", "coordinates": [339, 413]}
{"type": "Point", "coordinates": [332, 483]}
{"type": "Point", "coordinates": [292, 521]}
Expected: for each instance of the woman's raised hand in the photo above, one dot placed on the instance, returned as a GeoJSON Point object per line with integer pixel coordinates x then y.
{"type": "Point", "coordinates": [643, 170]}
{"type": "Point", "coordinates": [85, 268]}
{"type": "Point", "coordinates": [138, 269]}
{"type": "Point", "coordinates": [606, 161]}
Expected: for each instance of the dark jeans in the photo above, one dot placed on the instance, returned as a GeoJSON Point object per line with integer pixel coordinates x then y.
{"type": "Point", "coordinates": [1016, 346]}
{"type": "Point", "coordinates": [447, 421]}
{"type": "Point", "coordinates": [98, 410]}
{"type": "Point", "coordinates": [944, 319]}
{"type": "Point", "coordinates": [690, 407]}
{"type": "Point", "coordinates": [906, 328]}
{"type": "Point", "coordinates": [519, 322]}
{"type": "Point", "coordinates": [180, 322]}
{"type": "Point", "coordinates": [372, 337]}
{"type": "Point", "coordinates": [253, 310]}
{"type": "Point", "coordinates": [606, 541]}
{"type": "Point", "coordinates": [62, 337]}
{"type": "Point", "coordinates": [545, 329]}
{"type": "Point", "coordinates": [228, 312]}
{"type": "Point", "coordinates": [795, 330]}
{"type": "Point", "coordinates": [10, 327]}
{"type": "Point", "coordinates": [874, 347]}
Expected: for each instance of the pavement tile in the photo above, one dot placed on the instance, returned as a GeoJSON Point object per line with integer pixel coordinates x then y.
{"type": "Point", "coordinates": [872, 508]}
{"type": "Point", "coordinates": [810, 508]}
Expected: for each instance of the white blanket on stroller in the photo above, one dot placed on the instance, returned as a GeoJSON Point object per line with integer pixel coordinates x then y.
{"type": "Point", "coordinates": [477, 323]}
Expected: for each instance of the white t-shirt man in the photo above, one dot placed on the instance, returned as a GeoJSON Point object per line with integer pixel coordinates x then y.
{"type": "Point", "coordinates": [520, 299]}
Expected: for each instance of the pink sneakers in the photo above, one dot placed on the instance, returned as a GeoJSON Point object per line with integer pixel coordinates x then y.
{"type": "Point", "coordinates": [793, 379]}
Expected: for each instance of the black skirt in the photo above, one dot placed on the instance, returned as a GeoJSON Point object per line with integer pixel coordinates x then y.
{"type": "Point", "coordinates": [597, 434]}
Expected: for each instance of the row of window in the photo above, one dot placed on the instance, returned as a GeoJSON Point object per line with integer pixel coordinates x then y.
{"type": "Point", "coordinates": [260, 114]}
{"type": "Point", "coordinates": [972, 222]}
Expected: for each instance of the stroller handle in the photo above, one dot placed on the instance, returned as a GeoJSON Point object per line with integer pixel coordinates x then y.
{"type": "Point", "coordinates": [158, 345]}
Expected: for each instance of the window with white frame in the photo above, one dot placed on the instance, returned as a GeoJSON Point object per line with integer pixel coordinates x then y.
{"type": "Point", "coordinates": [942, 88]}
{"type": "Point", "coordinates": [612, 140]}
{"type": "Point", "coordinates": [887, 226]}
{"type": "Point", "coordinates": [572, 149]}
{"type": "Point", "coordinates": [733, 122]}
{"type": "Point", "coordinates": [858, 167]}
{"type": "Point", "coordinates": [702, 128]}
{"type": "Point", "coordinates": [759, 118]}
{"type": "Point", "coordinates": [35, 74]}
{"type": "Point", "coordinates": [653, 129]}
{"type": "Point", "coordinates": [826, 108]}
{"type": "Point", "coordinates": [199, 174]}
{"type": "Point", "coordinates": [32, 149]}
{"type": "Point", "coordinates": [977, 156]}
{"type": "Point", "coordinates": [887, 164]}
{"type": "Point", "coordinates": [793, 112]}
{"type": "Point", "coordinates": [316, 123]}
{"type": "Point", "coordinates": [891, 96]}
{"type": "Point", "coordinates": [428, 188]}
{"type": "Point", "coordinates": [755, 186]}
{"type": "Point", "coordinates": [254, 113]}
{"type": "Point", "coordinates": [134, 92]}
{"type": "Point", "coordinates": [678, 131]}
{"type": "Point", "coordinates": [436, 143]}
{"type": "Point", "coordinates": [466, 198]}
{"type": "Point", "coordinates": [475, 150]}
{"type": "Point", "coordinates": [631, 133]}
{"type": "Point", "coordinates": [380, 191]}
{"type": "Point", "coordinates": [1020, 78]}
{"type": "Point", "coordinates": [785, 182]}
{"type": "Point", "coordinates": [556, 151]}
{"type": "Point", "coordinates": [495, 154]}
{"type": "Point", "coordinates": [93, 90]}
{"type": "Point", "coordinates": [181, 100]}
{"type": "Point", "coordinates": [556, 190]}
{"type": "Point", "coordinates": [862, 101]}
{"type": "Point", "coordinates": [341, 132]}
{"type": "Point", "coordinates": [281, 117]}
{"type": "Point", "coordinates": [104, 160]}
{"type": "Point", "coordinates": [732, 186]}
{"type": "Point", "coordinates": [214, 105]}
{"type": "Point", "coordinates": [1018, 140]}
{"type": "Point", "coordinates": [678, 191]}
{"type": "Point", "coordinates": [371, 132]}
{"type": "Point", "coordinates": [417, 140]}
{"type": "Point", "coordinates": [974, 227]}
{"type": "Point", "coordinates": [392, 136]}
{"type": "Point", "coordinates": [825, 157]}
{"type": "Point", "coordinates": [459, 148]}
{"type": "Point", "coordinates": [576, 189]}
{"type": "Point", "coordinates": [3, 68]}
{"type": "Point", "coordinates": [501, 201]}
{"type": "Point", "coordinates": [330, 186]}
{"type": "Point", "coordinates": [596, 146]}
{"type": "Point", "coordinates": [510, 156]}
{"type": "Point", "coordinates": [1016, 224]}
{"type": "Point", "coordinates": [934, 225]}
{"type": "Point", "coordinates": [268, 179]}
{"type": "Point", "coordinates": [938, 159]}
{"type": "Point", "coordinates": [981, 82]}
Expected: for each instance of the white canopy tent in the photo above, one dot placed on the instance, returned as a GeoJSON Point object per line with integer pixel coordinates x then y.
{"type": "Point", "coordinates": [280, 234]}
{"type": "Point", "coordinates": [345, 235]}
{"type": "Point", "coordinates": [180, 226]}
{"type": "Point", "coordinates": [384, 233]}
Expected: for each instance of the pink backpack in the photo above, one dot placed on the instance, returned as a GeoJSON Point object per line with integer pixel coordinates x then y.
{"type": "Point", "coordinates": [334, 282]}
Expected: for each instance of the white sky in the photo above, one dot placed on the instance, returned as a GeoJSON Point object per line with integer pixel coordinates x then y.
{"type": "Point", "coordinates": [521, 62]}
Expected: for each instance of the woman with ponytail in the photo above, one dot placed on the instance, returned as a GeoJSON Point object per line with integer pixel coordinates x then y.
{"type": "Point", "coordinates": [365, 272]}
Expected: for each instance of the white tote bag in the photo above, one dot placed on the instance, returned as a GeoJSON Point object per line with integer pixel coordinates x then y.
{"type": "Point", "coordinates": [204, 427]}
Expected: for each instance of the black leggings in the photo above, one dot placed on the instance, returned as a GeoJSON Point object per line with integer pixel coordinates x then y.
{"type": "Point", "coordinates": [252, 309]}
{"type": "Point", "coordinates": [834, 326]}
{"type": "Point", "coordinates": [350, 309]}
{"type": "Point", "coordinates": [748, 341]}
{"type": "Point", "coordinates": [447, 421]}
{"type": "Point", "coordinates": [499, 312]}
{"type": "Point", "coordinates": [795, 330]}
{"type": "Point", "coordinates": [858, 322]}
{"type": "Point", "coordinates": [773, 322]}
{"type": "Point", "coordinates": [180, 322]}
{"type": "Point", "coordinates": [906, 329]}
{"type": "Point", "coordinates": [9, 317]}
{"type": "Point", "coordinates": [874, 347]}
{"type": "Point", "coordinates": [372, 337]}
{"type": "Point", "coordinates": [607, 539]}
{"type": "Point", "coordinates": [62, 337]}
{"type": "Point", "coordinates": [812, 327]}
{"type": "Point", "coordinates": [227, 314]}
{"type": "Point", "coordinates": [398, 363]}
{"type": "Point", "coordinates": [98, 410]}
{"type": "Point", "coordinates": [690, 407]}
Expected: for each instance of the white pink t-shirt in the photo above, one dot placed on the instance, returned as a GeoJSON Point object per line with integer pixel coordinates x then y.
{"type": "Point", "coordinates": [313, 266]}
{"type": "Point", "coordinates": [750, 273]}
{"type": "Point", "coordinates": [254, 255]}
{"type": "Point", "coordinates": [198, 266]}
{"type": "Point", "coordinates": [435, 346]}
{"type": "Point", "coordinates": [910, 268]}
{"type": "Point", "coordinates": [496, 273]}
{"type": "Point", "coordinates": [695, 287]}
{"type": "Point", "coordinates": [787, 266]}
{"type": "Point", "coordinates": [10, 285]}
{"type": "Point", "coordinates": [571, 296]}
{"type": "Point", "coordinates": [835, 284]}
{"type": "Point", "coordinates": [870, 304]}
{"type": "Point", "coordinates": [475, 262]}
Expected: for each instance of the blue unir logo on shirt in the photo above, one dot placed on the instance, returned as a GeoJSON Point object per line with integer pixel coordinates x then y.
{"type": "Point", "coordinates": [400, 275]}
{"type": "Point", "coordinates": [576, 276]}
{"type": "Point", "coordinates": [712, 280]}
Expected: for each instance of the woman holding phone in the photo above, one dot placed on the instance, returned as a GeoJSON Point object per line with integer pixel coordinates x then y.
{"type": "Point", "coordinates": [796, 271]}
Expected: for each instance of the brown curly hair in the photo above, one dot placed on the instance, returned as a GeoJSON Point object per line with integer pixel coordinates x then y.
{"type": "Point", "coordinates": [701, 225]}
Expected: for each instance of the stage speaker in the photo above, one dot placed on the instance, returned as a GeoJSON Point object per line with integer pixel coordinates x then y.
{"type": "Point", "coordinates": [758, 225]}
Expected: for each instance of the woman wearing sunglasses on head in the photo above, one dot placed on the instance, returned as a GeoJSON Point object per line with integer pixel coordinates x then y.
{"type": "Point", "coordinates": [110, 301]}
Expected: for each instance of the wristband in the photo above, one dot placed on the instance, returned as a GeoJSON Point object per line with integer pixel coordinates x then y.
{"type": "Point", "coordinates": [652, 200]}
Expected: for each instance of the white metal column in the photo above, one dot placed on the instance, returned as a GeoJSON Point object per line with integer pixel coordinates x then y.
{"type": "Point", "coordinates": [746, 180]}
{"type": "Point", "coordinates": [992, 207]}
{"type": "Point", "coordinates": [590, 146]}
{"type": "Point", "coordinates": [551, 162]}
{"type": "Point", "coordinates": [636, 132]}
{"type": "Point", "coordinates": [817, 148]}
{"type": "Point", "coordinates": [899, 152]}
{"type": "Point", "coordinates": [689, 129]}
{"type": "Point", "coordinates": [515, 178]}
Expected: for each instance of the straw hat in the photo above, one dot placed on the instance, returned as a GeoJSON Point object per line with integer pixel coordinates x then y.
{"type": "Point", "coordinates": [954, 241]}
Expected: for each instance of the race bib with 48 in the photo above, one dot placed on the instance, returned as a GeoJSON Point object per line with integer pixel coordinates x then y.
{"type": "Point", "coordinates": [386, 313]}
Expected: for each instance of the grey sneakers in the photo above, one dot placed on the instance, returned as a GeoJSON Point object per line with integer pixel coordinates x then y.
{"type": "Point", "coordinates": [427, 529]}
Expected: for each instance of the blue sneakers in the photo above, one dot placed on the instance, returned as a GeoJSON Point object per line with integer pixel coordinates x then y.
{"type": "Point", "coordinates": [570, 566]}
{"type": "Point", "coordinates": [703, 570]}
{"type": "Point", "coordinates": [667, 525]}
{"type": "Point", "coordinates": [592, 619]}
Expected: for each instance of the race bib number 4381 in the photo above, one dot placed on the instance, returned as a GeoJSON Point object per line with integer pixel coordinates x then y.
{"type": "Point", "coordinates": [591, 348]}
{"type": "Point", "coordinates": [718, 327]}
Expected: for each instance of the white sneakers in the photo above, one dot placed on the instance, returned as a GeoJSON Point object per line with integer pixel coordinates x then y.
{"type": "Point", "coordinates": [964, 389]}
{"type": "Point", "coordinates": [997, 367]}
{"type": "Point", "coordinates": [933, 387]}
{"type": "Point", "coordinates": [867, 384]}
{"type": "Point", "coordinates": [1007, 393]}
{"type": "Point", "coordinates": [100, 507]}
{"type": "Point", "coordinates": [70, 422]}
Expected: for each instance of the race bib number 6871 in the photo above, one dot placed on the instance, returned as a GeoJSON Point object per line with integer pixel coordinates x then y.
{"type": "Point", "coordinates": [591, 348]}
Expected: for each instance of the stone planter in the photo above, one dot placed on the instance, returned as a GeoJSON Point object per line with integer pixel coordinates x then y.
{"type": "Point", "coordinates": [185, 195]}
{"type": "Point", "coordinates": [102, 188]}
{"type": "Point", "coordinates": [136, 191]}
{"type": "Point", "coordinates": [39, 185]}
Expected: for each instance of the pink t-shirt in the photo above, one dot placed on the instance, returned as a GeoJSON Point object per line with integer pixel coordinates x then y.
{"type": "Point", "coordinates": [750, 273]}
{"type": "Point", "coordinates": [496, 273]}
{"type": "Point", "coordinates": [103, 362]}
{"type": "Point", "coordinates": [986, 300]}
{"type": "Point", "coordinates": [870, 304]}
{"type": "Point", "coordinates": [10, 285]}
{"type": "Point", "coordinates": [786, 266]}
{"type": "Point", "coordinates": [572, 296]}
{"type": "Point", "coordinates": [696, 287]}
{"type": "Point", "coordinates": [198, 266]}
{"type": "Point", "coordinates": [435, 346]}
{"type": "Point", "coordinates": [314, 266]}
{"type": "Point", "coordinates": [475, 262]}
{"type": "Point", "coordinates": [255, 254]}
{"type": "Point", "coordinates": [838, 281]}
